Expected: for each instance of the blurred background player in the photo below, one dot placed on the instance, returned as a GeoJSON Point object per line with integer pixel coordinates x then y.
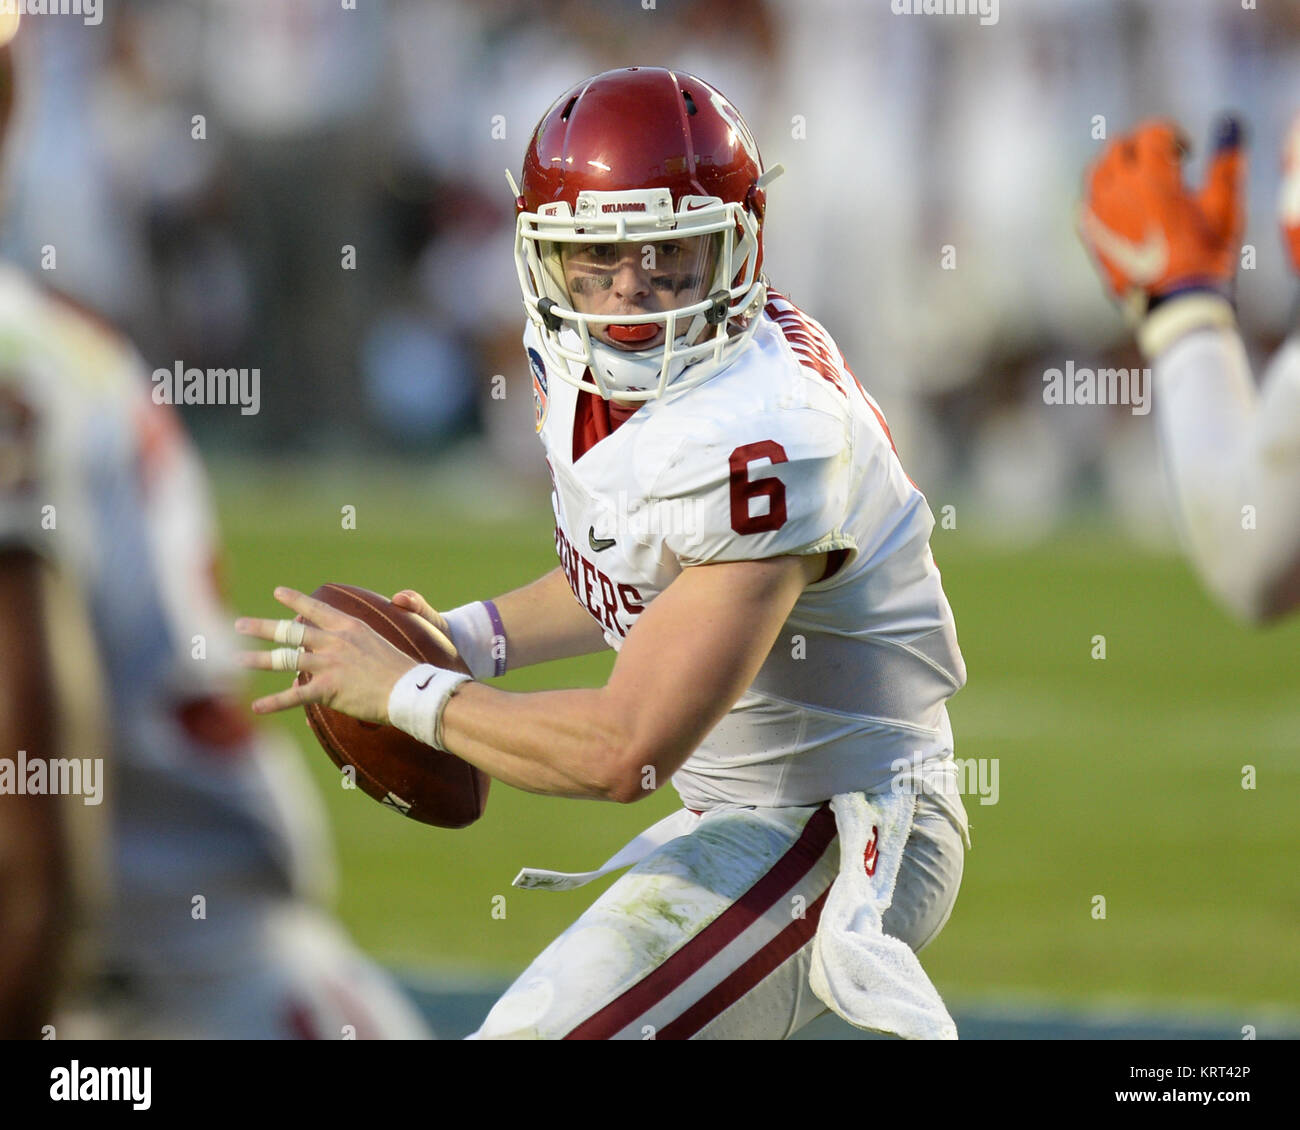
{"type": "Point", "coordinates": [186, 901]}
{"type": "Point", "coordinates": [1232, 453]}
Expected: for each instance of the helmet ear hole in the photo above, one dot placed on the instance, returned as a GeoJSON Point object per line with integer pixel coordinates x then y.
{"type": "Point", "coordinates": [690, 103]}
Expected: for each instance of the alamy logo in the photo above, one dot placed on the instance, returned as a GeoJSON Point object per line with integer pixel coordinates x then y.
{"type": "Point", "coordinates": [179, 385]}
{"type": "Point", "coordinates": [89, 10]}
{"type": "Point", "coordinates": [637, 519]}
{"type": "Point", "coordinates": [102, 1084]}
{"type": "Point", "coordinates": [1099, 386]}
{"type": "Point", "coordinates": [53, 776]}
{"type": "Point", "coordinates": [963, 776]}
{"type": "Point", "coordinates": [987, 10]}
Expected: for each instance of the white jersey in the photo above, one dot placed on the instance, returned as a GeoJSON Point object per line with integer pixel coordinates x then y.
{"type": "Point", "coordinates": [1233, 460]}
{"type": "Point", "coordinates": [780, 453]}
{"type": "Point", "coordinates": [104, 482]}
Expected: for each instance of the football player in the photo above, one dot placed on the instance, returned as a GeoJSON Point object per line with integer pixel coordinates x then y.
{"type": "Point", "coordinates": [173, 894]}
{"type": "Point", "coordinates": [732, 518]}
{"type": "Point", "coordinates": [1232, 453]}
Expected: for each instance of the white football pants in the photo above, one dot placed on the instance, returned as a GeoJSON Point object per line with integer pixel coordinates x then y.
{"type": "Point", "coordinates": [710, 937]}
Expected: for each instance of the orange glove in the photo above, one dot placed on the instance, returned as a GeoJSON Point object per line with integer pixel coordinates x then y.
{"type": "Point", "coordinates": [1152, 237]}
{"type": "Point", "coordinates": [1290, 205]}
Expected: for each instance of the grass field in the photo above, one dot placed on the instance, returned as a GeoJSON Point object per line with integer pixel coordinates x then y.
{"type": "Point", "coordinates": [1119, 777]}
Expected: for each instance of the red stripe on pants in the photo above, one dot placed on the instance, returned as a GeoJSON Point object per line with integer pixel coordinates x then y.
{"type": "Point", "coordinates": [798, 860]}
{"type": "Point", "coordinates": [728, 991]}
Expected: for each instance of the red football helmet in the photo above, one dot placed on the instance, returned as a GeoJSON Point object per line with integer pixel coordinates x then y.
{"type": "Point", "coordinates": [639, 243]}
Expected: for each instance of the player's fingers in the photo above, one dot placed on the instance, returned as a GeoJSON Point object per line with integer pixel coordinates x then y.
{"type": "Point", "coordinates": [1222, 199]}
{"type": "Point", "coordinates": [1157, 149]}
{"type": "Point", "coordinates": [412, 601]}
{"type": "Point", "coordinates": [312, 610]}
{"type": "Point", "coordinates": [1134, 170]}
{"type": "Point", "coordinates": [300, 694]}
{"type": "Point", "coordinates": [280, 659]}
{"type": "Point", "coordinates": [283, 632]}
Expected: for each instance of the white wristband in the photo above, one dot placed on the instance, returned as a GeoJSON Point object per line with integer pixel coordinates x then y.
{"type": "Point", "coordinates": [1182, 315]}
{"type": "Point", "coordinates": [419, 697]}
{"type": "Point", "coordinates": [479, 639]}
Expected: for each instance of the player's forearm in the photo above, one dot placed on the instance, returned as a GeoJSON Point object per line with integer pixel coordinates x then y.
{"type": "Point", "coordinates": [621, 741]}
{"type": "Point", "coordinates": [561, 743]}
{"type": "Point", "coordinates": [1236, 490]}
{"type": "Point", "coordinates": [543, 621]}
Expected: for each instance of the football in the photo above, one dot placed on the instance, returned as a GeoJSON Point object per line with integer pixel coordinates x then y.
{"type": "Point", "coordinates": [421, 782]}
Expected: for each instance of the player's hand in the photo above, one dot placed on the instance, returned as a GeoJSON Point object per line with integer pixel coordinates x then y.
{"type": "Point", "coordinates": [353, 669]}
{"type": "Point", "coordinates": [1290, 202]}
{"type": "Point", "coordinates": [1150, 234]}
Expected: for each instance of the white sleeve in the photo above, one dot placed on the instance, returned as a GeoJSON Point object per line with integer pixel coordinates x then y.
{"type": "Point", "coordinates": [759, 486]}
{"type": "Point", "coordinates": [1233, 460]}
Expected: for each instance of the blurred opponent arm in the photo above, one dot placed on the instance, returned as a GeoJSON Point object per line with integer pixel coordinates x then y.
{"type": "Point", "coordinates": [1168, 252]}
{"type": "Point", "coordinates": [1233, 458]}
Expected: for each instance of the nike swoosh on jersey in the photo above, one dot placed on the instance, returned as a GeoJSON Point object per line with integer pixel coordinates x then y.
{"type": "Point", "coordinates": [597, 544]}
{"type": "Point", "coordinates": [1143, 262]}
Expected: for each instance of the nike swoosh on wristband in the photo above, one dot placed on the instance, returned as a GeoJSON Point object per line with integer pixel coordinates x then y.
{"type": "Point", "coordinates": [597, 544]}
{"type": "Point", "coordinates": [1143, 262]}
{"type": "Point", "coordinates": [421, 686]}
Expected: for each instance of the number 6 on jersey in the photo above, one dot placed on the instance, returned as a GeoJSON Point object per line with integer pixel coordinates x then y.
{"type": "Point", "coordinates": [744, 490]}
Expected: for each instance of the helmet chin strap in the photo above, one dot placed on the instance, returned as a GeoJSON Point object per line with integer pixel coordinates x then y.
{"type": "Point", "coordinates": [624, 370]}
